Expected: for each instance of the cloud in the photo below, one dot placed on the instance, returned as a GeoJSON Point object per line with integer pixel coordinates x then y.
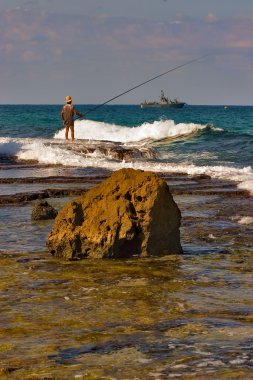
{"type": "Point", "coordinates": [211, 17]}
{"type": "Point", "coordinates": [37, 30]}
{"type": "Point", "coordinates": [59, 47]}
{"type": "Point", "coordinates": [37, 35]}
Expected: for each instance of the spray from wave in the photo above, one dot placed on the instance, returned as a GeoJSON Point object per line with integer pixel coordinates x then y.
{"type": "Point", "coordinates": [161, 129]}
{"type": "Point", "coordinates": [62, 153]}
{"type": "Point", "coordinates": [59, 152]}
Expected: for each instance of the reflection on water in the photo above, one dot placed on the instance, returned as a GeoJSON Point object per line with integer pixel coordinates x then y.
{"type": "Point", "coordinates": [25, 171]}
{"type": "Point", "coordinates": [184, 316]}
{"type": "Point", "coordinates": [139, 319]}
{"type": "Point", "coordinates": [11, 189]}
{"type": "Point", "coordinates": [18, 232]}
{"type": "Point", "coordinates": [187, 316]}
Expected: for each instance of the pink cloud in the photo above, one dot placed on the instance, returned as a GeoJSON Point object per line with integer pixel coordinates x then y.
{"type": "Point", "coordinates": [29, 55]}
{"type": "Point", "coordinates": [211, 17]}
{"type": "Point", "coordinates": [7, 48]}
{"type": "Point", "coordinates": [38, 36]}
{"type": "Point", "coordinates": [241, 44]}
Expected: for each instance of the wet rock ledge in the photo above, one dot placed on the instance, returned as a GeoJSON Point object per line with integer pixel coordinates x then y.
{"type": "Point", "coordinates": [113, 150]}
{"type": "Point", "coordinates": [132, 213]}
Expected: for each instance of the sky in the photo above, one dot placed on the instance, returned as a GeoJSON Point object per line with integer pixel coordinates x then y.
{"type": "Point", "coordinates": [94, 50]}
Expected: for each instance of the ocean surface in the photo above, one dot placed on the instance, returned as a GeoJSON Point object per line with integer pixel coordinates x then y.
{"type": "Point", "coordinates": [184, 316]}
{"type": "Point", "coordinates": [211, 140]}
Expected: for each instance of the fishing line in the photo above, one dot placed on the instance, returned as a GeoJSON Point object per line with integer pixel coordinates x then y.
{"type": "Point", "coordinates": [141, 84]}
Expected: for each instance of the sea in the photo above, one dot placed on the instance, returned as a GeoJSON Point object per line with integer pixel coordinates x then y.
{"type": "Point", "coordinates": [184, 316]}
{"type": "Point", "coordinates": [212, 140]}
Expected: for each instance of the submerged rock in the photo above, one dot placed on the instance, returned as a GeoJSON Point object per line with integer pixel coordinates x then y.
{"type": "Point", "coordinates": [42, 210]}
{"type": "Point", "coordinates": [130, 213]}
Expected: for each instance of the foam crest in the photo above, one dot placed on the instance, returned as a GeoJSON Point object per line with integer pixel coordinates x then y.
{"type": "Point", "coordinates": [60, 152]}
{"type": "Point", "coordinates": [161, 129]}
{"type": "Point", "coordinates": [245, 220]}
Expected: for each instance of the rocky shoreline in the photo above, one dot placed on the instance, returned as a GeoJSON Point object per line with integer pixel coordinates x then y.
{"type": "Point", "coordinates": [213, 211]}
{"type": "Point", "coordinates": [179, 183]}
{"type": "Point", "coordinates": [179, 315]}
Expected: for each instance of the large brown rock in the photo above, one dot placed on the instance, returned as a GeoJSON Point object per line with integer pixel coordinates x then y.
{"type": "Point", "coordinates": [130, 213]}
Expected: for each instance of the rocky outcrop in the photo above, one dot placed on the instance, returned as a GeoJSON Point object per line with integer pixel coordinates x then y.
{"type": "Point", "coordinates": [130, 213]}
{"type": "Point", "coordinates": [112, 150]}
{"type": "Point", "coordinates": [42, 210]}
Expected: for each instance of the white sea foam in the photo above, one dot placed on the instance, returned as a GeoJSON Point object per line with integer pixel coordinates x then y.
{"type": "Point", "coordinates": [247, 184]}
{"type": "Point", "coordinates": [243, 220]}
{"type": "Point", "coordinates": [60, 152]}
{"type": "Point", "coordinates": [94, 130]}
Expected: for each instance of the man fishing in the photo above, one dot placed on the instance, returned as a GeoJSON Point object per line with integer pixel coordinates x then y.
{"type": "Point", "coordinates": [68, 111]}
{"type": "Point", "coordinates": [67, 114]}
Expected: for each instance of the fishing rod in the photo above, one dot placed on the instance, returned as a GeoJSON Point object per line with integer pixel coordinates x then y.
{"type": "Point", "coordinates": [141, 84]}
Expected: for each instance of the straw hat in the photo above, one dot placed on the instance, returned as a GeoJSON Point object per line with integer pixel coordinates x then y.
{"type": "Point", "coordinates": [68, 99]}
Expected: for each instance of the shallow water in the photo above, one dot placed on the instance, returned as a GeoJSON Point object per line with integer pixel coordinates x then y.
{"type": "Point", "coordinates": [11, 189]}
{"type": "Point", "coordinates": [186, 317]}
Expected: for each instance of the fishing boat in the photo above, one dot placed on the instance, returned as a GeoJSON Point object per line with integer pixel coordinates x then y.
{"type": "Point", "coordinates": [163, 103]}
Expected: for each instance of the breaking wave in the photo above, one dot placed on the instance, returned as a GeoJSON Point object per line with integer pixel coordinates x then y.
{"type": "Point", "coordinates": [61, 153]}
{"type": "Point", "coordinates": [158, 130]}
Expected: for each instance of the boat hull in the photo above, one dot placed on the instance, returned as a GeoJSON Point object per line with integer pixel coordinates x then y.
{"type": "Point", "coordinates": [157, 105]}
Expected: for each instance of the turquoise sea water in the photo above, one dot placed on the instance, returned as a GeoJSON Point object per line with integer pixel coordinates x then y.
{"type": "Point", "coordinates": [196, 139]}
